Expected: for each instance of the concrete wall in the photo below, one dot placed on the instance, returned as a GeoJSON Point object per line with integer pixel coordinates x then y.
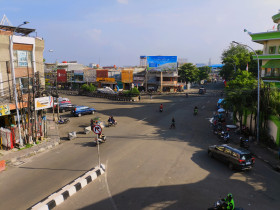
{"type": "Point", "coordinates": [39, 59]}
{"type": "Point", "coordinates": [4, 57]}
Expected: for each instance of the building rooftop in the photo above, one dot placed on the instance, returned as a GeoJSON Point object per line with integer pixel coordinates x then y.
{"type": "Point", "coordinates": [23, 31]}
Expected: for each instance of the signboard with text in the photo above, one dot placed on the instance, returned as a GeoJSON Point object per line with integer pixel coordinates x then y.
{"type": "Point", "coordinates": [43, 102]}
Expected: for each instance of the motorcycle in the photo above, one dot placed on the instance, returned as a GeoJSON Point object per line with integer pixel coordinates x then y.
{"type": "Point", "coordinates": [63, 121]}
{"type": "Point", "coordinates": [224, 136]}
{"type": "Point", "coordinates": [100, 139]}
{"type": "Point", "coordinates": [244, 143]}
{"type": "Point", "coordinates": [112, 123]}
{"type": "Point", "coordinates": [220, 204]}
{"type": "Point", "coordinates": [160, 109]}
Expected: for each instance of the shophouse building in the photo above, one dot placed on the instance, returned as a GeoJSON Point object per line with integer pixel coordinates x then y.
{"type": "Point", "coordinates": [21, 82]}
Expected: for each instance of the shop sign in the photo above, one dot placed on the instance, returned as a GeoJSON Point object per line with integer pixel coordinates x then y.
{"type": "Point", "coordinates": [4, 110]}
{"type": "Point", "coordinates": [43, 102]}
{"type": "Point", "coordinates": [102, 79]}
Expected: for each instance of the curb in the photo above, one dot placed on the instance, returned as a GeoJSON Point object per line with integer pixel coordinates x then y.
{"type": "Point", "coordinates": [68, 190]}
{"type": "Point", "coordinates": [38, 150]}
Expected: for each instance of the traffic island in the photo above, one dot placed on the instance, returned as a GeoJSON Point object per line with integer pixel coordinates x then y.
{"type": "Point", "coordinates": [68, 190]}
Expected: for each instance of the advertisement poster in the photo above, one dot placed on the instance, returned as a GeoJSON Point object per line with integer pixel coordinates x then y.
{"type": "Point", "coordinates": [61, 76]}
{"type": "Point", "coordinates": [4, 110]}
{"type": "Point", "coordinates": [161, 63]}
{"type": "Point", "coordinates": [43, 102]}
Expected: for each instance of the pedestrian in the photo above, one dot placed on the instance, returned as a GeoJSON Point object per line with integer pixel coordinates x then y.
{"type": "Point", "coordinates": [151, 96]}
{"type": "Point", "coordinates": [172, 123]}
{"type": "Point", "coordinates": [139, 97]}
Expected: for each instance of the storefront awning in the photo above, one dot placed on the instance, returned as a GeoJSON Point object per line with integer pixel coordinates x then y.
{"type": "Point", "coordinates": [272, 64]}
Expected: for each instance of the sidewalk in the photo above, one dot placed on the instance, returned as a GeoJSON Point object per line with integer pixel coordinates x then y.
{"type": "Point", "coordinates": [16, 157]}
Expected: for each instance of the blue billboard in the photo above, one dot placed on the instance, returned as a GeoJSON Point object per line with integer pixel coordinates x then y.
{"type": "Point", "coordinates": [161, 63]}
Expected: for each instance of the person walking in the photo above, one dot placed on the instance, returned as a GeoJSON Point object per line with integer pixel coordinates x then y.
{"type": "Point", "coordinates": [172, 123]}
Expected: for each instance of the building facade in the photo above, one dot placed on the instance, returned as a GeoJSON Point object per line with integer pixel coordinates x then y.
{"type": "Point", "coordinates": [21, 81]}
{"type": "Point", "coordinates": [270, 69]}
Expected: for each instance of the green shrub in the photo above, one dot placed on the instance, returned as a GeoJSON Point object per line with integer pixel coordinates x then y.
{"type": "Point", "coordinates": [131, 93]}
{"type": "Point", "coordinates": [88, 88]}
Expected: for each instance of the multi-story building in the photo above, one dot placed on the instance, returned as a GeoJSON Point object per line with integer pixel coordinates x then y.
{"type": "Point", "coordinates": [21, 73]}
{"type": "Point", "coordinates": [270, 69]}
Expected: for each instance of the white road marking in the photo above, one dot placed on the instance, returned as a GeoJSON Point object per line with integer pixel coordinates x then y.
{"type": "Point", "coordinates": [108, 190]}
{"type": "Point", "coordinates": [143, 119]}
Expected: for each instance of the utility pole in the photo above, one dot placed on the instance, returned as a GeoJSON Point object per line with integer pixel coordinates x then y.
{"type": "Point", "coordinates": [57, 100]}
{"type": "Point", "coordinates": [15, 89]}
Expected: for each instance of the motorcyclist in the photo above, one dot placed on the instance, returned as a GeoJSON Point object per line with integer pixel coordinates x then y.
{"type": "Point", "coordinates": [111, 120]}
{"type": "Point", "coordinates": [161, 107]}
{"type": "Point", "coordinates": [229, 201]}
{"type": "Point", "coordinates": [195, 110]}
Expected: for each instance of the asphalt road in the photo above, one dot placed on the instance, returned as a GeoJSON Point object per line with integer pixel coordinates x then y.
{"type": "Point", "coordinates": [148, 165]}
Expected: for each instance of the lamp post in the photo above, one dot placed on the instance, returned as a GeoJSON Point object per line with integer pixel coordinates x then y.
{"type": "Point", "coordinates": [258, 109]}
{"type": "Point", "coordinates": [14, 81]}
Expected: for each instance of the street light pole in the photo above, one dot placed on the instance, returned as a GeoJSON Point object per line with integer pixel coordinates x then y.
{"type": "Point", "coordinates": [258, 109]}
{"type": "Point", "coordinates": [14, 81]}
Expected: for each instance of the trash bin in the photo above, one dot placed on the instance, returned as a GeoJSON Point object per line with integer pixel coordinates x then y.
{"type": "Point", "coordinates": [72, 135]}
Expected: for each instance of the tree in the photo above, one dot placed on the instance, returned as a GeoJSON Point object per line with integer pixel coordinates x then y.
{"type": "Point", "coordinates": [188, 73]}
{"type": "Point", "coordinates": [253, 64]}
{"type": "Point", "coordinates": [241, 96]}
{"type": "Point", "coordinates": [237, 55]}
{"type": "Point", "coordinates": [203, 72]}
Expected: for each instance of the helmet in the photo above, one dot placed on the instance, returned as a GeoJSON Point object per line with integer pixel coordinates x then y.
{"type": "Point", "coordinates": [229, 196]}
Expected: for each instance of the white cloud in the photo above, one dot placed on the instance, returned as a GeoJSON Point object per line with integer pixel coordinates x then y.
{"type": "Point", "coordinates": [123, 1]}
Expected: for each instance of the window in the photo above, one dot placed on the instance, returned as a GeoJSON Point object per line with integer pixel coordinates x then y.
{"type": "Point", "coordinates": [267, 72]}
{"type": "Point", "coordinates": [276, 72]}
{"type": "Point", "coordinates": [22, 58]}
{"type": "Point", "coordinates": [227, 151]}
{"type": "Point", "coordinates": [272, 50]}
{"type": "Point", "coordinates": [279, 48]}
{"type": "Point", "coordinates": [220, 148]}
{"type": "Point", "coordinates": [234, 154]}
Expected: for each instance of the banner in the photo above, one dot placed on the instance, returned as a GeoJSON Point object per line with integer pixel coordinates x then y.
{"type": "Point", "coordinates": [43, 103]}
{"type": "Point", "coordinates": [161, 63]}
{"type": "Point", "coordinates": [4, 110]}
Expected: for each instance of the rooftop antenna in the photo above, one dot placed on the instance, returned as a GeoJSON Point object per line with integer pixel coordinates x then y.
{"type": "Point", "coordinates": [5, 21]}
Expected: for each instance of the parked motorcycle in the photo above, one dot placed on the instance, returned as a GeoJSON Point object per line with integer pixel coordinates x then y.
{"type": "Point", "coordinates": [244, 143]}
{"type": "Point", "coordinates": [63, 121]}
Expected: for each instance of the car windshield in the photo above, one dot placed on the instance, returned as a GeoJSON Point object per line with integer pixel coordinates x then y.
{"type": "Point", "coordinates": [245, 156]}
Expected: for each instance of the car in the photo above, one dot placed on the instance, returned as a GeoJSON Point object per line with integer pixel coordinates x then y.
{"type": "Point", "coordinates": [202, 90]}
{"type": "Point", "coordinates": [235, 158]}
{"type": "Point", "coordinates": [78, 111]}
{"type": "Point", "coordinates": [65, 107]}
{"type": "Point", "coordinates": [61, 101]}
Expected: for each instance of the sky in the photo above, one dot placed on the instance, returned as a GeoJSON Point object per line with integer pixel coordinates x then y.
{"type": "Point", "coordinates": [117, 32]}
